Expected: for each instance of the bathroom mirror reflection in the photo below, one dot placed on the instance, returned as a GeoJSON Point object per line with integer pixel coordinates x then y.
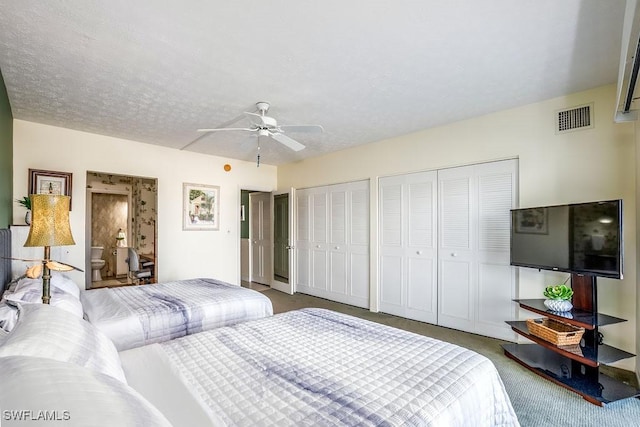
{"type": "Point", "coordinates": [121, 214]}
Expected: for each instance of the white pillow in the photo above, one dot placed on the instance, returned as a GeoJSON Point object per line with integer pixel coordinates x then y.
{"type": "Point", "coordinates": [8, 316]}
{"type": "Point", "coordinates": [52, 333]}
{"type": "Point", "coordinates": [62, 282]}
{"type": "Point", "coordinates": [74, 395]}
{"type": "Point", "coordinates": [29, 291]}
{"type": "Point", "coordinates": [58, 282]}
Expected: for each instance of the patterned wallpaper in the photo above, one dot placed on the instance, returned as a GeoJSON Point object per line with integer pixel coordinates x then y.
{"type": "Point", "coordinates": [109, 213]}
{"type": "Point", "coordinates": [143, 193]}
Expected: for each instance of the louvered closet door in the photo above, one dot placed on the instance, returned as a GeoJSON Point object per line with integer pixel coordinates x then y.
{"type": "Point", "coordinates": [332, 242]}
{"type": "Point", "coordinates": [311, 240]}
{"type": "Point", "coordinates": [476, 284]}
{"type": "Point", "coordinates": [407, 232]}
{"type": "Point", "coordinates": [303, 240]}
{"type": "Point", "coordinates": [457, 274]}
{"type": "Point", "coordinates": [497, 195]}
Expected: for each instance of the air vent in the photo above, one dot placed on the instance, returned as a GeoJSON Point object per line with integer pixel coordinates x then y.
{"type": "Point", "coordinates": [575, 118]}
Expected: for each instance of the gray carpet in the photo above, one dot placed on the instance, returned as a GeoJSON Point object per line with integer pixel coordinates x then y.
{"type": "Point", "coordinates": [537, 402]}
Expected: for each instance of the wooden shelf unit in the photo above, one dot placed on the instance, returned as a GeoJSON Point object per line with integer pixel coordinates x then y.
{"type": "Point", "coordinates": [576, 368]}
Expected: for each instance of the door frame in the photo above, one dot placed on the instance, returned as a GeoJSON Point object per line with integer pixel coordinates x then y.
{"type": "Point", "coordinates": [89, 225]}
{"type": "Point", "coordinates": [288, 288]}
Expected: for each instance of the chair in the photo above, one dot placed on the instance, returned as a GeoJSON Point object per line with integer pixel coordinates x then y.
{"type": "Point", "coordinates": [139, 272]}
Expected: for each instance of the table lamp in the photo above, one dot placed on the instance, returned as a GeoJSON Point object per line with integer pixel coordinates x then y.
{"type": "Point", "coordinates": [49, 227]}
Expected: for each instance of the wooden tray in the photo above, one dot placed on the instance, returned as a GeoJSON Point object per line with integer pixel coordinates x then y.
{"type": "Point", "coordinates": [555, 332]}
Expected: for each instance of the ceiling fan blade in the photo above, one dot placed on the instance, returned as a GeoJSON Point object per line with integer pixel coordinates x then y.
{"type": "Point", "coordinates": [263, 121]}
{"type": "Point", "coordinates": [61, 266]}
{"type": "Point", "coordinates": [302, 128]}
{"type": "Point", "coordinates": [53, 265]}
{"type": "Point", "coordinates": [221, 129]}
{"type": "Point", "coordinates": [285, 140]}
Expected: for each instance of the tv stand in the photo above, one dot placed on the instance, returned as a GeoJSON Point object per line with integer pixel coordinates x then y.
{"type": "Point", "coordinates": [576, 368]}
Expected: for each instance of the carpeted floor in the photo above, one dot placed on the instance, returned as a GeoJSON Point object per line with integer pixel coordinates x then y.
{"type": "Point", "coordinates": [537, 402]}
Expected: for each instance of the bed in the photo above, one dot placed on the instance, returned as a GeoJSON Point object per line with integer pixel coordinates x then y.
{"type": "Point", "coordinates": [132, 316]}
{"type": "Point", "coordinates": [306, 367]}
{"type": "Point", "coordinates": [318, 367]}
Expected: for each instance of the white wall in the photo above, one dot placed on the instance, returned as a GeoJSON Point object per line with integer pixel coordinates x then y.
{"type": "Point", "coordinates": [181, 254]}
{"type": "Point", "coordinates": [586, 165]}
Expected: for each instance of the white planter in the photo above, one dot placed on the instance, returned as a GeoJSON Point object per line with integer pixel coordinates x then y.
{"type": "Point", "coordinates": [558, 305]}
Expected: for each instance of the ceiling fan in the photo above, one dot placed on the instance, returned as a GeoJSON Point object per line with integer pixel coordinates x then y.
{"type": "Point", "coordinates": [34, 271]}
{"type": "Point", "coordinates": [267, 126]}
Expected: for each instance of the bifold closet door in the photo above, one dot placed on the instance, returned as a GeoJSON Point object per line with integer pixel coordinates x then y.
{"type": "Point", "coordinates": [408, 246]}
{"type": "Point", "coordinates": [476, 283]}
{"type": "Point", "coordinates": [332, 242]}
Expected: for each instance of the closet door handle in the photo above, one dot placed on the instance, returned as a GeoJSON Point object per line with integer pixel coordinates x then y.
{"type": "Point", "coordinates": [453, 254]}
{"type": "Point", "coordinates": [419, 252]}
{"type": "Point", "coordinates": [336, 247]}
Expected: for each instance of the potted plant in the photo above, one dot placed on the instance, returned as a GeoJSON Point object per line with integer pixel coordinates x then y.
{"type": "Point", "coordinates": [558, 297]}
{"type": "Point", "coordinates": [26, 202]}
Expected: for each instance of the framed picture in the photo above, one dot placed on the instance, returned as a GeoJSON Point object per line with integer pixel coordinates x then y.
{"type": "Point", "coordinates": [50, 182]}
{"type": "Point", "coordinates": [532, 221]}
{"type": "Point", "coordinates": [201, 207]}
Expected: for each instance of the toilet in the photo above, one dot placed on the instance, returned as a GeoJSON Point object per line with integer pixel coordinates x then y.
{"type": "Point", "coordinates": [97, 263]}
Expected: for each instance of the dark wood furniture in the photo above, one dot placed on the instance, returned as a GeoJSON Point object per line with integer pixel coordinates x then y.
{"type": "Point", "coordinates": [576, 368]}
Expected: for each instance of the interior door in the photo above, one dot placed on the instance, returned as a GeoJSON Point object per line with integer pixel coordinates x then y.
{"type": "Point", "coordinates": [476, 281]}
{"type": "Point", "coordinates": [408, 246]}
{"type": "Point", "coordinates": [457, 275]}
{"type": "Point", "coordinates": [260, 237]}
{"type": "Point", "coordinates": [283, 253]}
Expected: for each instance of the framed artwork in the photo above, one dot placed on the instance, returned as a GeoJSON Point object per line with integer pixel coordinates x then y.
{"type": "Point", "coordinates": [201, 207]}
{"type": "Point", "coordinates": [532, 221]}
{"type": "Point", "coordinates": [50, 182]}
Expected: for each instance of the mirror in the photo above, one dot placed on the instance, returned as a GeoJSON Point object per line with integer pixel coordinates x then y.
{"type": "Point", "coordinates": [117, 205]}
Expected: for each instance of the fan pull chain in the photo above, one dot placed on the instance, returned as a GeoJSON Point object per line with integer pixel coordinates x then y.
{"type": "Point", "coordinates": [258, 165]}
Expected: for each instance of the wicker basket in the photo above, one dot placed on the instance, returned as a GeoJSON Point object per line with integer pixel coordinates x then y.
{"type": "Point", "coordinates": [555, 332]}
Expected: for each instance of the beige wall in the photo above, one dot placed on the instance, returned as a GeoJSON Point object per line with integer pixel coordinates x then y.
{"type": "Point", "coordinates": [587, 165]}
{"type": "Point", "coordinates": [181, 254]}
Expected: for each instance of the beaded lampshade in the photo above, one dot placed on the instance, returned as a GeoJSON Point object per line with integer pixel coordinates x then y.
{"type": "Point", "coordinates": [49, 227]}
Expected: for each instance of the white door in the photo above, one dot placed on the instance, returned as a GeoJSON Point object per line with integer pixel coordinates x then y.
{"type": "Point", "coordinates": [260, 237]}
{"type": "Point", "coordinates": [288, 256]}
{"type": "Point", "coordinates": [457, 274]}
{"type": "Point", "coordinates": [497, 195]}
{"type": "Point", "coordinates": [476, 284]}
{"type": "Point", "coordinates": [408, 246]}
{"type": "Point", "coordinates": [332, 242]}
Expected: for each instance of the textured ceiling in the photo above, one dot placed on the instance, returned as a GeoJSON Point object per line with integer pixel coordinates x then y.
{"type": "Point", "coordinates": [157, 70]}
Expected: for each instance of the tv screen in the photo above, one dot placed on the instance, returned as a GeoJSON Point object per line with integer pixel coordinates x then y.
{"type": "Point", "coordinates": [584, 238]}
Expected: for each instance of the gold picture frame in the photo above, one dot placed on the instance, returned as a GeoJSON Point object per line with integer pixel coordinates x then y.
{"type": "Point", "coordinates": [50, 182]}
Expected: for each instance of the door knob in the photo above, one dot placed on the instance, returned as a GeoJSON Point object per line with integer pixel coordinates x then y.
{"type": "Point", "coordinates": [289, 247]}
{"type": "Point", "coordinates": [419, 252]}
{"type": "Point", "coordinates": [337, 247]}
{"type": "Point", "coordinates": [454, 254]}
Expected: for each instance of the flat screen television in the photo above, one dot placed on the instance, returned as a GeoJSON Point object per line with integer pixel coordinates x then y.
{"type": "Point", "coordinates": [582, 238]}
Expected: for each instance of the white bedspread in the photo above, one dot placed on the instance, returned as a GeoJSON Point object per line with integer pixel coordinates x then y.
{"type": "Point", "coordinates": [319, 368]}
{"type": "Point", "coordinates": [133, 316]}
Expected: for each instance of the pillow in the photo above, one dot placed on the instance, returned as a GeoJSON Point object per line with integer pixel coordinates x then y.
{"type": "Point", "coordinates": [8, 316]}
{"type": "Point", "coordinates": [71, 395]}
{"type": "Point", "coordinates": [52, 333]}
{"type": "Point", "coordinates": [29, 291]}
{"type": "Point", "coordinates": [11, 286]}
{"type": "Point", "coordinates": [58, 282]}
{"type": "Point", "coordinates": [63, 283]}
